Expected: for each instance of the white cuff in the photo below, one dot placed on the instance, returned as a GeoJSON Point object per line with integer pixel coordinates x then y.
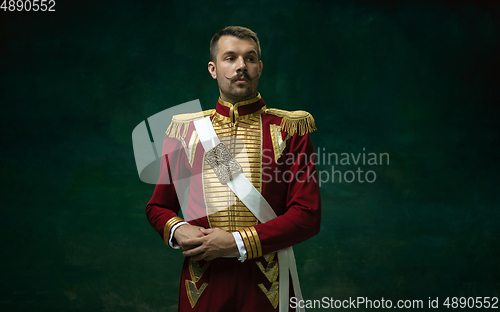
{"type": "Point", "coordinates": [171, 237]}
{"type": "Point", "coordinates": [241, 246]}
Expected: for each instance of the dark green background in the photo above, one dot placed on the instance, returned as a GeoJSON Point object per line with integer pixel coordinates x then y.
{"type": "Point", "coordinates": [415, 79]}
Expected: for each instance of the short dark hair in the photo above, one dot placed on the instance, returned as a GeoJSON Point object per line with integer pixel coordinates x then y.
{"type": "Point", "coordinates": [236, 31]}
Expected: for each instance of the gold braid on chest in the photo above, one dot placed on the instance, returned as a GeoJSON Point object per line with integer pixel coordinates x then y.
{"type": "Point", "coordinates": [244, 141]}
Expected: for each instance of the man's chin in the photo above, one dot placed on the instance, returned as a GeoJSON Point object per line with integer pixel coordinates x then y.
{"type": "Point", "coordinates": [243, 95]}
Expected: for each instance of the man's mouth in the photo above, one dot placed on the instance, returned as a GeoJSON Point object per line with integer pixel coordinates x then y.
{"type": "Point", "coordinates": [241, 79]}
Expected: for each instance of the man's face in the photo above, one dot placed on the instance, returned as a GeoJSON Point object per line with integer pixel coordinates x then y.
{"type": "Point", "coordinates": [237, 69]}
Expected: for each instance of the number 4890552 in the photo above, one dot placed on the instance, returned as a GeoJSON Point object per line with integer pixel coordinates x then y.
{"type": "Point", "coordinates": [28, 5]}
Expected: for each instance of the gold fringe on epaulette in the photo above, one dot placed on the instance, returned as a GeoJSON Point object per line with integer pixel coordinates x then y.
{"type": "Point", "coordinates": [302, 125]}
{"type": "Point", "coordinates": [178, 129]}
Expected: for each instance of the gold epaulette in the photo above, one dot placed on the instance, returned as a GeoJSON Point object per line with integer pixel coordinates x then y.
{"type": "Point", "coordinates": [300, 122]}
{"type": "Point", "coordinates": [180, 123]}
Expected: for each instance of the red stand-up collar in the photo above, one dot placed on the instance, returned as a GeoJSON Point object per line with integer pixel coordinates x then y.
{"type": "Point", "coordinates": [240, 110]}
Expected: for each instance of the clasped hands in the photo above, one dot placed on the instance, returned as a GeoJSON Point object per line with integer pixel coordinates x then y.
{"type": "Point", "coordinates": [204, 244]}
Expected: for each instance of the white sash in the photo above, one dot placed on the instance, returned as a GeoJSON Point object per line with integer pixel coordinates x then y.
{"type": "Point", "coordinates": [258, 205]}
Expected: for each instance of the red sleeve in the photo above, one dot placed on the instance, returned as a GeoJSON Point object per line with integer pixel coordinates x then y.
{"type": "Point", "coordinates": [162, 210]}
{"type": "Point", "coordinates": [299, 214]}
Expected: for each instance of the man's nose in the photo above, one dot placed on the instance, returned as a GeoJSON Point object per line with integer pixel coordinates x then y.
{"type": "Point", "coordinates": [241, 64]}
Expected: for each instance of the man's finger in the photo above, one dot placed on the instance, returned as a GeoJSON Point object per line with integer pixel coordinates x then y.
{"type": "Point", "coordinates": [193, 241]}
{"type": "Point", "coordinates": [197, 256]}
{"type": "Point", "coordinates": [187, 247]}
{"type": "Point", "coordinates": [193, 251]}
{"type": "Point", "coordinates": [206, 231]}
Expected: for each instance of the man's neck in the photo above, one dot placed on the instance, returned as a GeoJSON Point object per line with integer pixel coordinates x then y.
{"type": "Point", "coordinates": [236, 100]}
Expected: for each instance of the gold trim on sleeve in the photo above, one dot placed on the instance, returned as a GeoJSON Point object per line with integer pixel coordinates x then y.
{"type": "Point", "coordinates": [252, 242]}
{"type": "Point", "coordinates": [168, 227]}
{"type": "Point", "coordinates": [247, 244]}
{"type": "Point", "coordinates": [257, 241]}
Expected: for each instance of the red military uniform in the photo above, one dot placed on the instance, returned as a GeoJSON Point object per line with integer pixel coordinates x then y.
{"type": "Point", "coordinates": [276, 154]}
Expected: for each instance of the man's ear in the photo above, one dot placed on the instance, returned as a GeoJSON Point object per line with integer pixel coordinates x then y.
{"type": "Point", "coordinates": [212, 69]}
{"type": "Point", "coordinates": [260, 68]}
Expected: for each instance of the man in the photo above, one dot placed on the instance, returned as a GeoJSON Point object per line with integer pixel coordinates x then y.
{"type": "Point", "coordinates": [231, 261]}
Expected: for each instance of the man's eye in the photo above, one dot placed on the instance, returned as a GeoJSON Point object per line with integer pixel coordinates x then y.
{"type": "Point", "coordinates": [229, 58]}
{"type": "Point", "coordinates": [250, 59]}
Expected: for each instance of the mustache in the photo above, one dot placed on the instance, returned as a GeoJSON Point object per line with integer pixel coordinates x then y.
{"type": "Point", "coordinates": [239, 76]}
